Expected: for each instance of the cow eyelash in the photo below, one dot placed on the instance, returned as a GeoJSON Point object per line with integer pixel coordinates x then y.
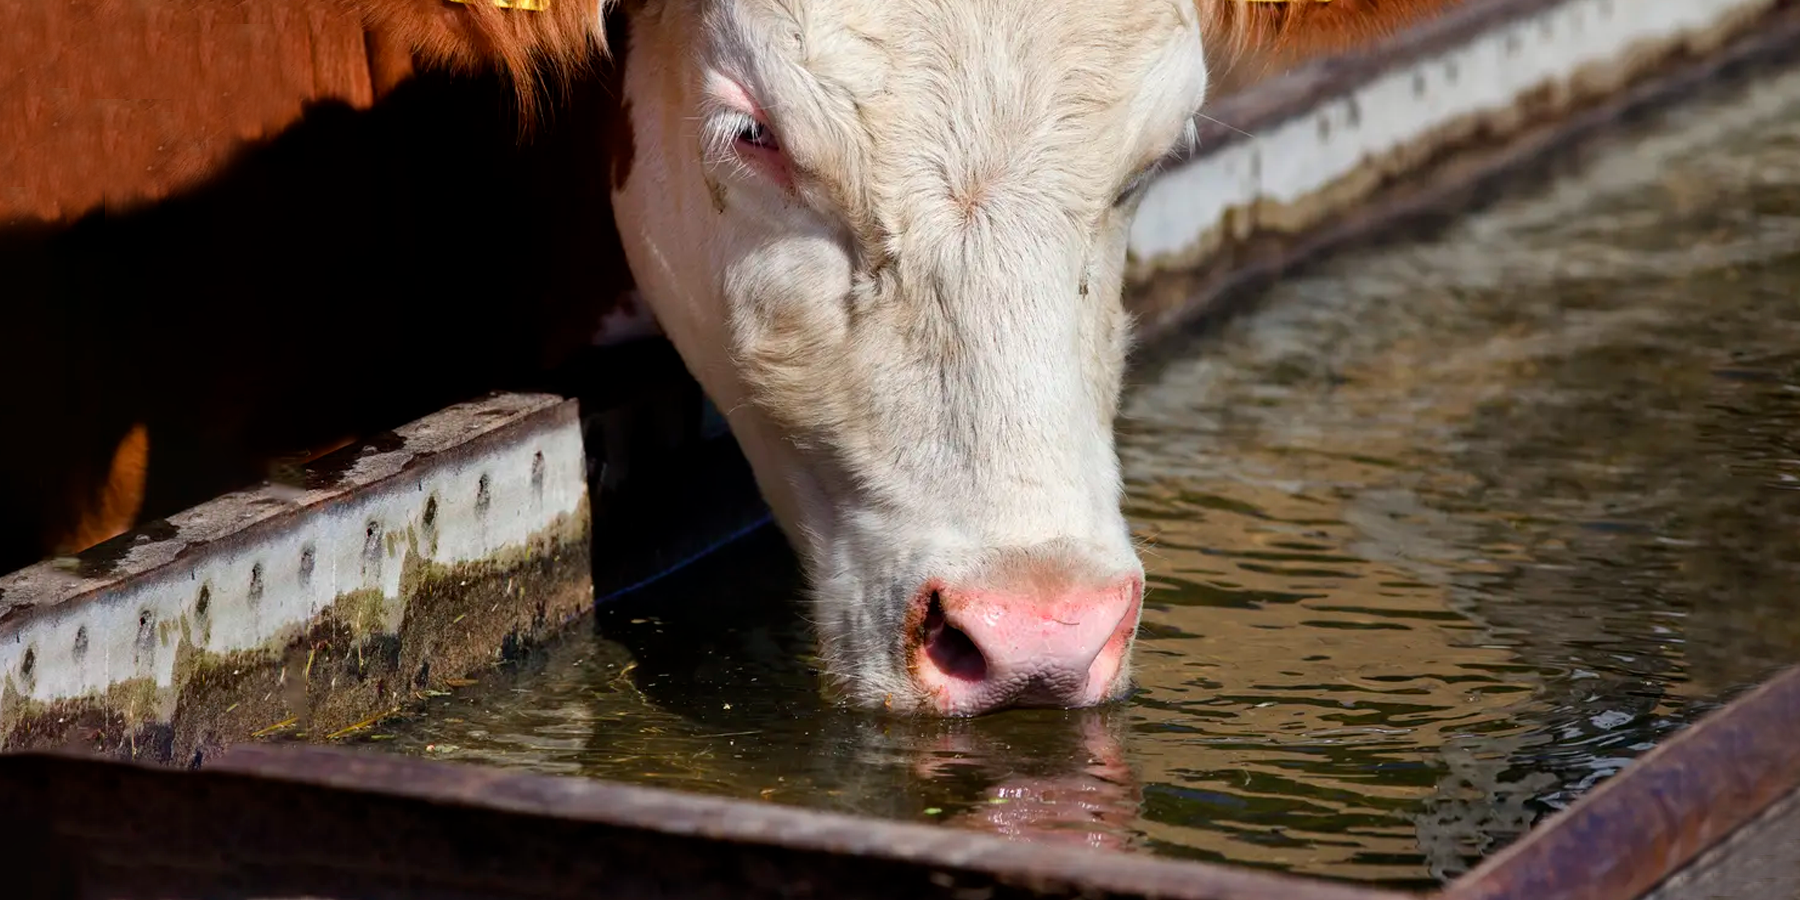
{"type": "Point", "coordinates": [744, 143]}
{"type": "Point", "coordinates": [752, 133]}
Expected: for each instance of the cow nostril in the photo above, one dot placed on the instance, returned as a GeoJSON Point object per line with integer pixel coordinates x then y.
{"type": "Point", "coordinates": [953, 652]}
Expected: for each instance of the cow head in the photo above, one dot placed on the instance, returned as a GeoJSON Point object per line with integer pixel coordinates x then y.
{"type": "Point", "coordinates": [887, 237]}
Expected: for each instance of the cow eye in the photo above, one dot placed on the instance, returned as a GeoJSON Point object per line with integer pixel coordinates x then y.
{"type": "Point", "coordinates": [1134, 187]}
{"type": "Point", "coordinates": [754, 145]}
{"type": "Point", "coordinates": [755, 134]}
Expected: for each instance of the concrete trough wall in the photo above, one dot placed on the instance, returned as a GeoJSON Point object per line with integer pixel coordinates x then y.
{"type": "Point", "coordinates": [307, 611]}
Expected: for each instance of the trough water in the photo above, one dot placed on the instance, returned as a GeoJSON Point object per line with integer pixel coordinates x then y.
{"type": "Point", "coordinates": [1440, 535]}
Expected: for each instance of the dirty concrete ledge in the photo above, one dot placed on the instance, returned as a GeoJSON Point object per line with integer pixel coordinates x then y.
{"type": "Point", "coordinates": [308, 609]}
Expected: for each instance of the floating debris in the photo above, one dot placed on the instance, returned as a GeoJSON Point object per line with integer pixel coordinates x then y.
{"type": "Point", "coordinates": [285, 723]}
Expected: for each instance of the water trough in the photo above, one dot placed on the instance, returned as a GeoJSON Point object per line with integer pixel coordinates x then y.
{"type": "Point", "coordinates": [309, 609]}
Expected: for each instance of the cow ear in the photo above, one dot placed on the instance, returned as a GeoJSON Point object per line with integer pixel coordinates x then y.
{"type": "Point", "coordinates": [1289, 31]}
{"type": "Point", "coordinates": [1317, 25]}
{"type": "Point", "coordinates": [532, 41]}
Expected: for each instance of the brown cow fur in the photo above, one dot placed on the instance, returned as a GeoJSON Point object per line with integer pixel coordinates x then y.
{"type": "Point", "coordinates": [534, 48]}
{"type": "Point", "coordinates": [121, 496]}
{"type": "Point", "coordinates": [1253, 41]}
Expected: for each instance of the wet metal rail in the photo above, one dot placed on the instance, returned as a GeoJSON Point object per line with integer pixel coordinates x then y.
{"type": "Point", "coordinates": [316, 822]}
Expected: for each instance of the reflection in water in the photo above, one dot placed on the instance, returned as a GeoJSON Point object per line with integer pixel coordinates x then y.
{"type": "Point", "coordinates": [722, 700]}
{"type": "Point", "coordinates": [1438, 539]}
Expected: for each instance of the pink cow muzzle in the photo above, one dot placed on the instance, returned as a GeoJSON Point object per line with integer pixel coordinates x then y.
{"type": "Point", "coordinates": [1048, 643]}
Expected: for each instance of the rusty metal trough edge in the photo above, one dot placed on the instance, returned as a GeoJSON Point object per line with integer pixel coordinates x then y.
{"type": "Point", "coordinates": [722, 822]}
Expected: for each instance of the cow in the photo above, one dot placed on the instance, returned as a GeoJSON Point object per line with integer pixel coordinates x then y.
{"type": "Point", "coordinates": [887, 237]}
